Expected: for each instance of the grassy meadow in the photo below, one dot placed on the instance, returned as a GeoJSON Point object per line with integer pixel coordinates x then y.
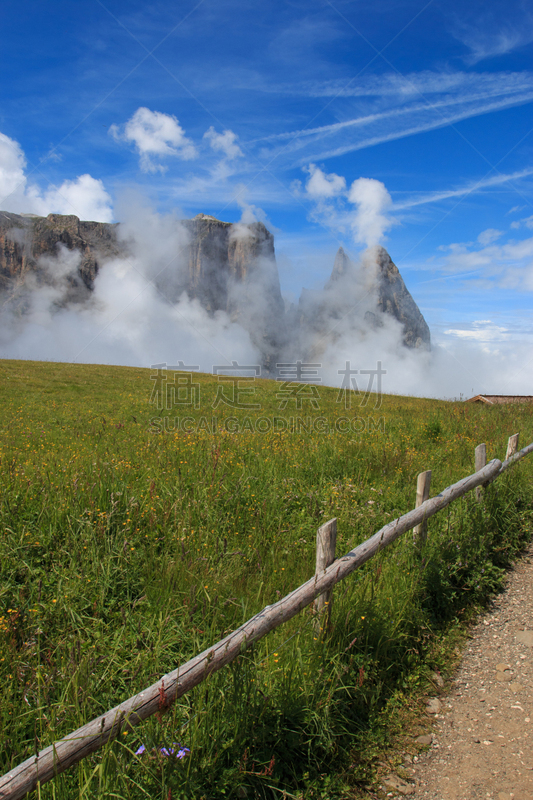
{"type": "Point", "coordinates": [134, 536]}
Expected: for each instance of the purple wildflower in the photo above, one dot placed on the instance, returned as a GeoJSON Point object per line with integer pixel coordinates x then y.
{"type": "Point", "coordinates": [177, 750]}
{"type": "Point", "coordinates": [181, 752]}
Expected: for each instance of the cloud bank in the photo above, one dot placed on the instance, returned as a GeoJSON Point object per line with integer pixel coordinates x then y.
{"type": "Point", "coordinates": [137, 316]}
{"type": "Point", "coordinates": [130, 320]}
{"type": "Point", "coordinates": [85, 196]}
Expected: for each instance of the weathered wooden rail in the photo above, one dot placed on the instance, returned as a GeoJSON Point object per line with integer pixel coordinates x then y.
{"type": "Point", "coordinates": [57, 757]}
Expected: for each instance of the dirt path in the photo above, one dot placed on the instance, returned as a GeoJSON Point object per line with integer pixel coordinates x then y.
{"type": "Point", "coordinates": [482, 744]}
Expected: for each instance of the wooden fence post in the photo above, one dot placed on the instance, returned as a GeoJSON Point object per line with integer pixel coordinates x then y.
{"type": "Point", "coordinates": [326, 541]}
{"type": "Point", "coordinates": [59, 756]}
{"type": "Point", "coordinates": [480, 461]}
{"type": "Point", "coordinates": [422, 494]}
{"type": "Point", "coordinates": [512, 445]}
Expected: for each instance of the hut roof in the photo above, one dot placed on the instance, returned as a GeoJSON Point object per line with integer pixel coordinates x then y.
{"type": "Point", "coordinates": [500, 399]}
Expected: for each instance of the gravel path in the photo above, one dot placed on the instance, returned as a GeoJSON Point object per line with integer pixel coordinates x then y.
{"type": "Point", "coordinates": [482, 744]}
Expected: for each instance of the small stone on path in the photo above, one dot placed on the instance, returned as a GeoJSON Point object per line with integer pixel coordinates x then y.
{"type": "Point", "coordinates": [526, 637]}
{"type": "Point", "coordinates": [425, 739]}
{"type": "Point", "coordinates": [433, 706]}
{"type": "Point", "coordinates": [397, 785]}
{"type": "Point", "coordinates": [504, 676]}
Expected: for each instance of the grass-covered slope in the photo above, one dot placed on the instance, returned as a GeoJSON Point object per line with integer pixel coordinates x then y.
{"type": "Point", "coordinates": [132, 537]}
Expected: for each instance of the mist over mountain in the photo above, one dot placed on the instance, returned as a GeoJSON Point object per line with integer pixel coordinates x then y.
{"type": "Point", "coordinates": [204, 289]}
{"type": "Point", "coordinates": [359, 299]}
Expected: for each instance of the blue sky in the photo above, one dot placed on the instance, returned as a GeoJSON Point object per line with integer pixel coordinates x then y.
{"type": "Point", "coordinates": [273, 111]}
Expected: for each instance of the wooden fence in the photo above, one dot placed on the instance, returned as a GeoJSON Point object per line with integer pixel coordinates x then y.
{"type": "Point", "coordinates": [57, 757]}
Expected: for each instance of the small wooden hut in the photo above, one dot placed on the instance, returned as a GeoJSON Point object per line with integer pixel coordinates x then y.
{"type": "Point", "coordinates": [501, 399]}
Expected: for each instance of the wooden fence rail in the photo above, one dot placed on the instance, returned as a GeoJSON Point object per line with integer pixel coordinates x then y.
{"type": "Point", "coordinates": [57, 757]}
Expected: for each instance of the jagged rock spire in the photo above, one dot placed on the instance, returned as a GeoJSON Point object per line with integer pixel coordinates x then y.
{"type": "Point", "coordinates": [341, 266]}
{"type": "Point", "coordinates": [393, 297]}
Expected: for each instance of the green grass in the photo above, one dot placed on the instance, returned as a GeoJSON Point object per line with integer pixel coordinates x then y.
{"type": "Point", "coordinates": [128, 545]}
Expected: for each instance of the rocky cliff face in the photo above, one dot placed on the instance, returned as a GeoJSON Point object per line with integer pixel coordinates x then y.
{"type": "Point", "coordinates": [380, 279]}
{"type": "Point", "coordinates": [220, 254]}
{"type": "Point", "coordinates": [225, 267]}
{"type": "Point", "coordinates": [233, 268]}
{"type": "Point", "coordinates": [24, 240]}
{"type": "Point", "coordinates": [357, 301]}
{"type": "Point", "coordinates": [395, 299]}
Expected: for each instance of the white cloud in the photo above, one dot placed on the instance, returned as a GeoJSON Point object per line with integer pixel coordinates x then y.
{"type": "Point", "coordinates": [410, 122]}
{"type": "Point", "coordinates": [225, 142]}
{"type": "Point", "coordinates": [392, 107]}
{"type": "Point", "coordinates": [249, 213]}
{"type": "Point", "coordinates": [330, 195]}
{"type": "Point", "coordinates": [12, 166]}
{"type": "Point", "coordinates": [489, 236]}
{"type": "Point", "coordinates": [321, 186]}
{"type": "Point", "coordinates": [155, 134]}
{"type": "Point", "coordinates": [487, 37]}
{"type": "Point", "coordinates": [508, 265]}
{"type": "Point", "coordinates": [528, 222]}
{"type": "Point", "coordinates": [296, 187]}
{"type": "Point", "coordinates": [497, 44]}
{"type": "Point", "coordinates": [483, 330]}
{"type": "Point", "coordinates": [469, 188]}
{"type": "Point", "coordinates": [327, 192]}
{"type": "Point", "coordinates": [86, 197]}
{"type": "Point", "coordinates": [373, 202]}
{"type": "Point", "coordinates": [405, 85]}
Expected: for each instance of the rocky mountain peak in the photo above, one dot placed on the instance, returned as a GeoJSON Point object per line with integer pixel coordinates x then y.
{"type": "Point", "coordinates": [208, 216]}
{"type": "Point", "coordinates": [226, 267]}
{"type": "Point", "coordinates": [378, 274]}
{"type": "Point", "coordinates": [341, 266]}
{"type": "Point", "coordinates": [394, 298]}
